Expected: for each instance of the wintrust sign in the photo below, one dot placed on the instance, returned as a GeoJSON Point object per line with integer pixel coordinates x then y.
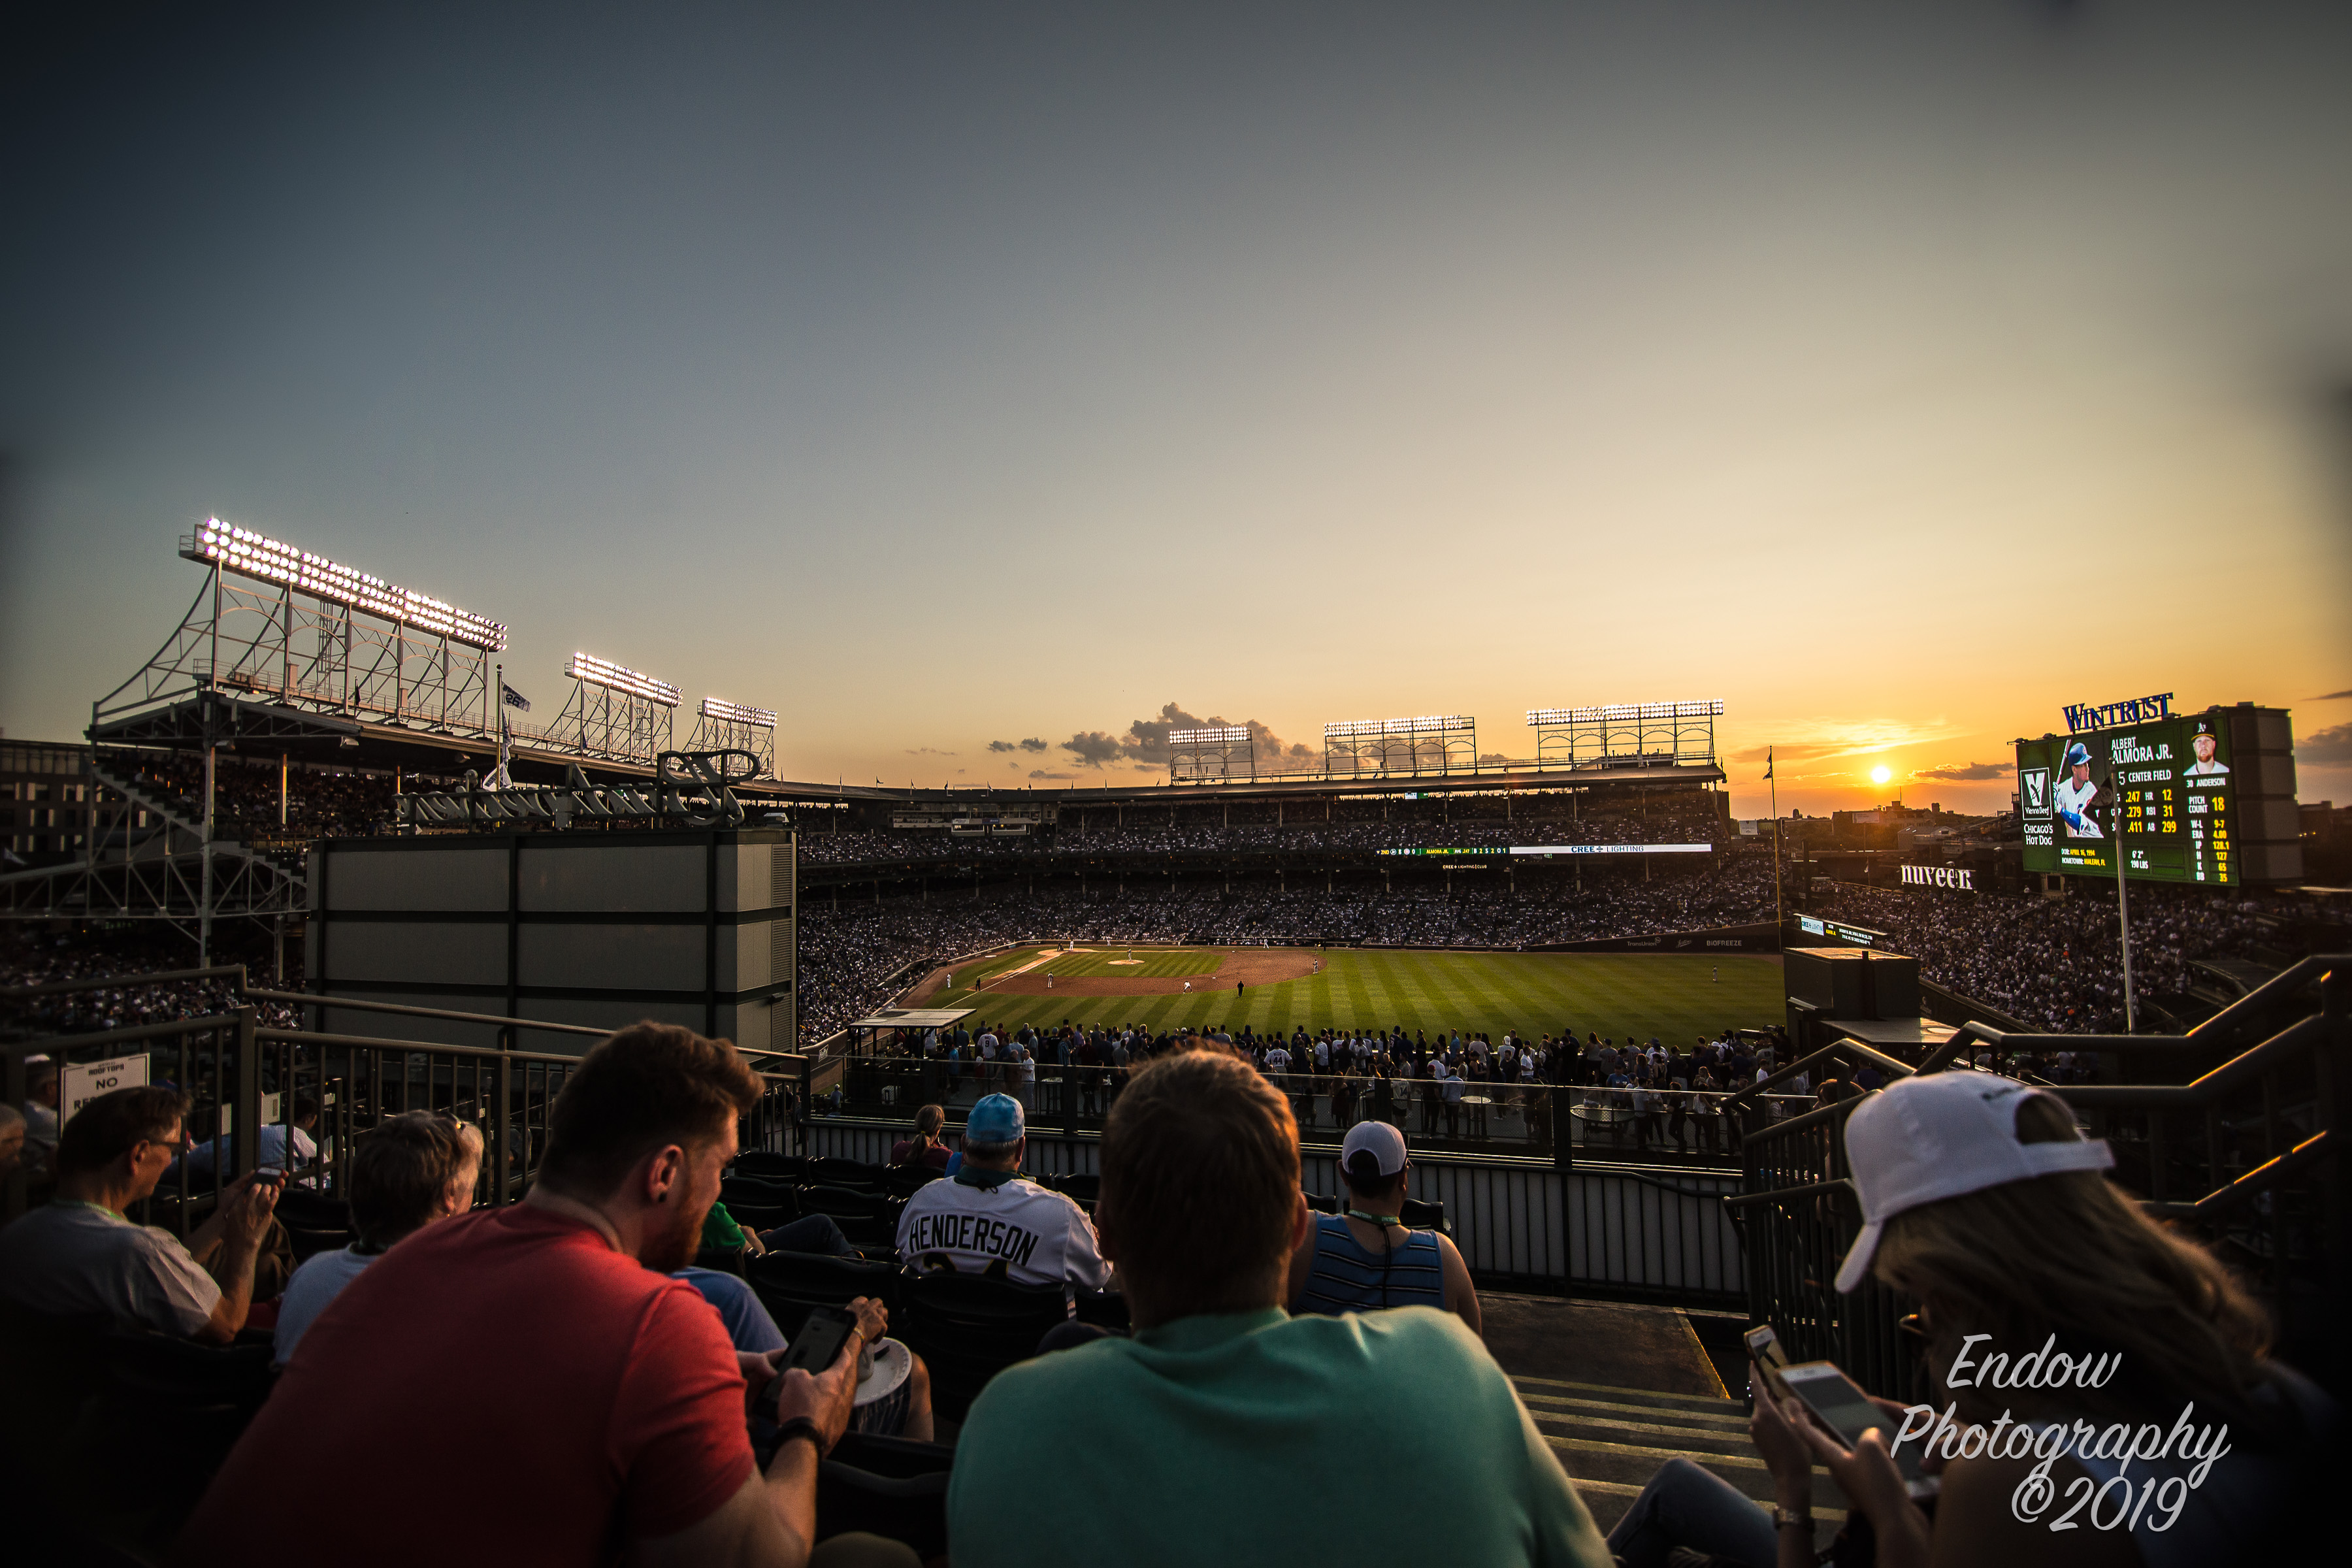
{"type": "Point", "coordinates": [1939, 877]}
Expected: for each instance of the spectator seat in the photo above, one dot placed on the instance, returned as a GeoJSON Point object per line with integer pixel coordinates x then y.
{"type": "Point", "coordinates": [770, 1167]}
{"type": "Point", "coordinates": [314, 1223]}
{"type": "Point", "coordinates": [968, 1327]}
{"type": "Point", "coordinates": [825, 1171]}
{"type": "Point", "coordinates": [790, 1283]}
{"type": "Point", "coordinates": [889, 1487]}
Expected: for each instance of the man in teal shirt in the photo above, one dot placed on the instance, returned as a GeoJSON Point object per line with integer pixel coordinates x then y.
{"type": "Point", "coordinates": [1183, 1444]}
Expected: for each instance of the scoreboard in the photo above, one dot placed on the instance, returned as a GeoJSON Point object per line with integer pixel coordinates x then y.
{"type": "Point", "coordinates": [2163, 793]}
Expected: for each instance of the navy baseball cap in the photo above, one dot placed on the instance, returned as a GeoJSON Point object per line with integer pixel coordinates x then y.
{"type": "Point", "coordinates": [2078, 755]}
{"type": "Point", "coordinates": [995, 1119]}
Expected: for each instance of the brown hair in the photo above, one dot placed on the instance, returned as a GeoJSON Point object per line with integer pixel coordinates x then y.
{"type": "Point", "coordinates": [400, 1170]}
{"type": "Point", "coordinates": [1199, 1182]}
{"type": "Point", "coordinates": [2070, 1253]}
{"type": "Point", "coordinates": [642, 1089]}
{"type": "Point", "coordinates": [114, 1123]}
{"type": "Point", "coordinates": [928, 1120]}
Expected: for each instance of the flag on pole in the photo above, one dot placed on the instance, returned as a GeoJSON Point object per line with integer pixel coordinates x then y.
{"type": "Point", "coordinates": [1767, 764]}
{"type": "Point", "coordinates": [510, 698]}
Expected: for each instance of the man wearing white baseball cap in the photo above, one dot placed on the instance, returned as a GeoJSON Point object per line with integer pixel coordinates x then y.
{"type": "Point", "coordinates": [1365, 1260]}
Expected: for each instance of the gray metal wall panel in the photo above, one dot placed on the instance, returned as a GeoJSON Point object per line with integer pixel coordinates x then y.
{"type": "Point", "coordinates": [745, 878]}
{"type": "Point", "coordinates": [464, 881]}
{"type": "Point", "coordinates": [610, 957]}
{"type": "Point", "coordinates": [616, 1013]}
{"type": "Point", "coordinates": [613, 878]}
{"type": "Point", "coordinates": [455, 953]}
{"type": "Point", "coordinates": [402, 1027]}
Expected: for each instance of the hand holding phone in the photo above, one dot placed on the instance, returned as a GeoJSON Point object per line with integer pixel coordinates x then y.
{"type": "Point", "coordinates": [1838, 1403]}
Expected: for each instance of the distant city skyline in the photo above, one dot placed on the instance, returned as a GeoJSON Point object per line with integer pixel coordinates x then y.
{"type": "Point", "coordinates": [986, 392]}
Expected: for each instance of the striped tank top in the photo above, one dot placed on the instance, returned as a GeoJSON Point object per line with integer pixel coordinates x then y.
{"type": "Point", "coordinates": [1345, 1276]}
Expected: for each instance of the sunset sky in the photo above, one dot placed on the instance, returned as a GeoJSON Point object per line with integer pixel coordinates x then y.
{"type": "Point", "coordinates": [950, 375]}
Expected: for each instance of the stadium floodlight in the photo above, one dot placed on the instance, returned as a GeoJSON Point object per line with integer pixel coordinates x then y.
{"type": "Point", "coordinates": [256, 556]}
{"type": "Point", "coordinates": [1544, 718]}
{"type": "Point", "coordinates": [737, 713]}
{"type": "Point", "coordinates": [1229, 735]}
{"type": "Point", "coordinates": [587, 667]}
{"type": "Point", "coordinates": [1424, 725]}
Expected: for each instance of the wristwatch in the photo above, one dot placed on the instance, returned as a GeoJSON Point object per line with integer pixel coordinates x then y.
{"type": "Point", "coordinates": [1781, 1518]}
{"type": "Point", "coordinates": [801, 1427]}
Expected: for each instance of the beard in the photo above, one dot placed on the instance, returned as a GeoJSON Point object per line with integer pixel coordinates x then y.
{"type": "Point", "coordinates": [672, 1248]}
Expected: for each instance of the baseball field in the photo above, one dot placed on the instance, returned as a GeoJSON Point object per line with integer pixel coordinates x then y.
{"type": "Point", "coordinates": [1675, 998]}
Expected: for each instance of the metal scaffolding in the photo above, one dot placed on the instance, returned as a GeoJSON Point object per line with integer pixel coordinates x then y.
{"type": "Point", "coordinates": [1630, 734]}
{"type": "Point", "coordinates": [1204, 756]}
{"type": "Point", "coordinates": [1433, 744]}
{"type": "Point", "coordinates": [723, 726]}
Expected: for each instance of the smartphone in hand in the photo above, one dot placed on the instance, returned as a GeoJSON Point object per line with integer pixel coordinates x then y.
{"type": "Point", "coordinates": [1764, 1350]}
{"type": "Point", "coordinates": [1838, 1403]}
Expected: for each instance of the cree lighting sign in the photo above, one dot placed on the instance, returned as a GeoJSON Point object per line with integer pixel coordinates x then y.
{"type": "Point", "coordinates": [588, 668]}
{"type": "Point", "coordinates": [736, 713]}
{"type": "Point", "coordinates": [268, 560]}
{"type": "Point", "coordinates": [1623, 712]}
{"type": "Point", "coordinates": [1612, 848]}
{"type": "Point", "coordinates": [1426, 724]}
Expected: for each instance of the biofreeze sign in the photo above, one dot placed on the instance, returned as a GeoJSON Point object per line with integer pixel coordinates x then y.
{"type": "Point", "coordinates": [1939, 877]}
{"type": "Point", "coordinates": [81, 1082]}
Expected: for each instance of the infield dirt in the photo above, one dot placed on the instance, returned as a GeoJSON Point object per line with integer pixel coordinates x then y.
{"type": "Point", "coordinates": [1235, 966]}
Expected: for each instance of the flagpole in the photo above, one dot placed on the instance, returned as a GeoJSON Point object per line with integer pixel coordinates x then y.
{"type": "Point", "coordinates": [1780, 917]}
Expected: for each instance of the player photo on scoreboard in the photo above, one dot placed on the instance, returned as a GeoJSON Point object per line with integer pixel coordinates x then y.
{"type": "Point", "coordinates": [2077, 794]}
{"type": "Point", "coordinates": [2207, 745]}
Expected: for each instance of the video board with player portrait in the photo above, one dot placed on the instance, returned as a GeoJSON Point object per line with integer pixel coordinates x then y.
{"type": "Point", "coordinates": [2164, 788]}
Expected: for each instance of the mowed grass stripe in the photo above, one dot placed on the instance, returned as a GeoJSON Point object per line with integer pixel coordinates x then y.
{"type": "Point", "coordinates": [1608, 993]}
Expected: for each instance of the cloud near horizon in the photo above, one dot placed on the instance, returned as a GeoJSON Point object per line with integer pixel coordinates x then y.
{"type": "Point", "coordinates": [1145, 741]}
{"type": "Point", "coordinates": [2323, 747]}
{"type": "Point", "coordinates": [1956, 773]}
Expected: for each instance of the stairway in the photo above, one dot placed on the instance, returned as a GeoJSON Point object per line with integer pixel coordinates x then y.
{"type": "Point", "coordinates": [1612, 1440]}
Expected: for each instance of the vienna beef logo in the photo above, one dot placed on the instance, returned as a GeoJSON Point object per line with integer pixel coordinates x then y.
{"type": "Point", "coordinates": [1939, 877]}
{"type": "Point", "coordinates": [2181, 1456]}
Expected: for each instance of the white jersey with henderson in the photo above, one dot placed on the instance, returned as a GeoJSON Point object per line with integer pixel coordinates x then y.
{"type": "Point", "coordinates": [1042, 1238]}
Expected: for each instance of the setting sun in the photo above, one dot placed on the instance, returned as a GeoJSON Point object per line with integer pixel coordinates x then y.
{"type": "Point", "coordinates": [1881, 775]}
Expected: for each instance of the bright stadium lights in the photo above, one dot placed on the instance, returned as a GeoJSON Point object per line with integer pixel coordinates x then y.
{"type": "Point", "coordinates": [1538, 718]}
{"type": "Point", "coordinates": [1222, 737]}
{"type": "Point", "coordinates": [1421, 726]}
{"type": "Point", "coordinates": [737, 713]}
{"type": "Point", "coordinates": [251, 554]}
{"type": "Point", "coordinates": [594, 672]}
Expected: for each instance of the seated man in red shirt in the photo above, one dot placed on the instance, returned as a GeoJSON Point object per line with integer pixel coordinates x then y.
{"type": "Point", "coordinates": [529, 1380]}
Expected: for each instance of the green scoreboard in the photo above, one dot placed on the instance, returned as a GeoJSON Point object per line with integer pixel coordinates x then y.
{"type": "Point", "coordinates": [2161, 792]}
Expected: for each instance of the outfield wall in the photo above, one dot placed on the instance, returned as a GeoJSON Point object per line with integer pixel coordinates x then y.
{"type": "Point", "coordinates": [1619, 1232]}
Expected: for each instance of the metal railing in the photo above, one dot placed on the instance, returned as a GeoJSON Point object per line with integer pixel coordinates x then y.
{"type": "Point", "coordinates": [239, 1074]}
{"type": "Point", "coordinates": [2240, 1153]}
{"type": "Point", "coordinates": [1622, 1210]}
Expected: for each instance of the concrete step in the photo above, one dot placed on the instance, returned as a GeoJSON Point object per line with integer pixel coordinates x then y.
{"type": "Point", "coordinates": [1610, 1441]}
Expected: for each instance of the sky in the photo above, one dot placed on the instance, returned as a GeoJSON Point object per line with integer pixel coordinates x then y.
{"type": "Point", "coordinates": [986, 387]}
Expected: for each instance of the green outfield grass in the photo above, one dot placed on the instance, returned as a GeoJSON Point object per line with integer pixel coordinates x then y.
{"type": "Point", "coordinates": [1534, 993]}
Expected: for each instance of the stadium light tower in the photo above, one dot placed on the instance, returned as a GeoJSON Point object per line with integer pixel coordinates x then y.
{"type": "Point", "coordinates": [721, 726]}
{"type": "Point", "coordinates": [616, 713]}
{"type": "Point", "coordinates": [1201, 756]}
{"type": "Point", "coordinates": [1627, 734]}
{"type": "Point", "coordinates": [1431, 744]}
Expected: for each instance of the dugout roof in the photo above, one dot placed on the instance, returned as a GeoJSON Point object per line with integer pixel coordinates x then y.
{"type": "Point", "coordinates": [914, 1018]}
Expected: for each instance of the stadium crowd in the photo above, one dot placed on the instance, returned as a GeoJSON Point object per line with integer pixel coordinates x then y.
{"type": "Point", "coordinates": [1205, 830]}
{"type": "Point", "coordinates": [320, 803]}
{"type": "Point", "coordinates": [2057, 963]}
